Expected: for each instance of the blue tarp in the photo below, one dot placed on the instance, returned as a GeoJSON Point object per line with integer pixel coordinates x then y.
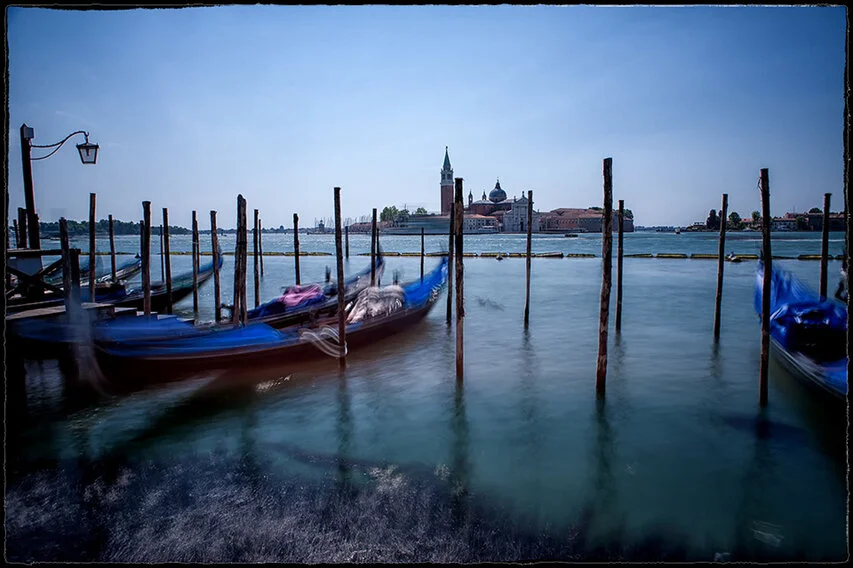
{"type": "Point", "coordinates": [801, 322]}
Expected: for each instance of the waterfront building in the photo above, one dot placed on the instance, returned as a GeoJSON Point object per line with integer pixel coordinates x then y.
{"type": "Point", "coordinates": [783, 224]}
{"type": "Point", "coordinates": [814, 221]}
{"type": "Point", "coordinates": [515, 220]}
{"type": "Point", "coordinates": [479, 224]}
{"type": "Point", "coordinates": [581, 220]}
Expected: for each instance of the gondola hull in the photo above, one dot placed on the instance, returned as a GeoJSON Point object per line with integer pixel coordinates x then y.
{"type": "Point", "coordinates": [139, 361]}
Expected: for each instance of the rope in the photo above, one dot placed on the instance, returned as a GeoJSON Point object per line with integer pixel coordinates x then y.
{"type": "Point", "coordinates": [322, 340]}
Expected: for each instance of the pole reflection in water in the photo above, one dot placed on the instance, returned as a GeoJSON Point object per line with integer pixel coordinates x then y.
{"type": "Point", "coordinates": [528, 399]}
{"type": "Point", "coordinates": [754, 537]}
{"type": "Point", "coordinates": [344, 432]}
{"type": "Point", "coordinates": [460, 463]}
{"type": "Point", "coordinates": [250, 469]}
{"type": "Point", "coordinates": [604, 496]}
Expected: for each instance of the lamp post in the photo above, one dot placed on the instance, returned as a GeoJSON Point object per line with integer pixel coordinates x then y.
{"type": "Point", "coordinates": [88, 155]}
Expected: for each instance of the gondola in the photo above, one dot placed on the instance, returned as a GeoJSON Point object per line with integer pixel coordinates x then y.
{"type": "Point", "coordinates": [125, 270]}
{"type": "Point", "coordinates": [808, 335]}
{"type": "Point", "coordinates": [49, 337]}
{"type": "Point", "coordinates": [182, 286]}
{"type": "Point", "coordinates": [104, 283]}
{"type": "Point", "coordinates": [134, 353]}
{"type": "Point", "coordinates": [300, 304]}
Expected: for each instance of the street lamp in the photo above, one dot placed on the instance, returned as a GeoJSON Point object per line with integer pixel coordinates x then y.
{"type": "Point", "coordinates": [88, 155]}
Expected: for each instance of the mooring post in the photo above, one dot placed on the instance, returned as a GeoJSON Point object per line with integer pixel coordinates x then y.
{"type": "Point", "coordinates": [146, 257]}
{"type": "Point", "coordinates": [257, 262]}
{"type": "Point", "coordinates": [606, 266]}
{"type": "Point", "coordinates": [824, 247]}
{"type": "Point", "coordinates": [450, 262]}
{"type": "Point", "coordinates": [22, 228]}
{"type": "Point", "coordinates": [619, 254]}
{"type": "Point", "coordinates": [112, 247]}
{"type": "Point", "coordinates": [422, 254]}
{"type": "Point", "coordinates": [195, 258]}
{"type": "Point", "coordinates": [460, 309]}
{"type": "Point", "coordinates": [342, 317]}
{"type": "Point", "coordinates": [376, 256]}
{"type": "Point", "coordinates": [529, 246]}
{"type": "Point", "coordinates": [214, 241]}
{"type": "Point", "coordinates": [346, 240]}
{"type": "Point", "coordinates": [168, 260]}
{"type": "Point", "coordinates": [162, 262]}
{"type": "Point", "coordinates": [91, 247]}
{"type": "Point", "coordinates": [373, 250]}
{"type": "Point", "coordinates": [75, 283]}
{"type": "Point", "coordinates": [296, 245]}
{"type": "Point", "coordinates": [240, 313]}
{"type": "Point", "coordinates": [66, 264]}
{"type": "Point", "coordinates": [718, 306]}
{"type": "Point", "coordinates": [765, 291]}
{"type": "Point", "coordinates": [17, 234]}
{"type": "Point", "coordinates": [261, 245]}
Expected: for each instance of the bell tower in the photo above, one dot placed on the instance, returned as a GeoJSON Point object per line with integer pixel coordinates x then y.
{"type": "Point", "coordinates": [446, 184]}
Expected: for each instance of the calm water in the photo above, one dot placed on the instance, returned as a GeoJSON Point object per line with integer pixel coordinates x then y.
{"type": "Point", "coordinates": [394, 461]}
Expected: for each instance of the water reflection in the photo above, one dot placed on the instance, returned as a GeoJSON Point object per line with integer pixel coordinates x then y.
{"type": "Point", "coordinates": [459, 471]}
{"type": "Point", "coordinates": [528, 396]}
{"type": "Point", "coordinates": [604, 494]}
{"type": "Point", "coordinates": [344, 430]}
{"type": "Point", "coordinates": [751, 537]}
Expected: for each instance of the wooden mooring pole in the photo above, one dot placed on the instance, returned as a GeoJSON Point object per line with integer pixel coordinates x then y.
{"type": "Point", "coordinates": [17, 233]}
{"type": "Point", "coordinates": [296, 245]}
{"type": "Point", "coordinates": [527, 268]}
{"type": "Point", "coordinates": [66, 264]}
{"type": "Point", "coordinates": [765, 292]}
{"type": "Point", "coordinates": [261, 245]}
{"type": "Point", "coordinates": [721, 261]}
{"type": "Point", "coordinates": [214, 242]}
{"type": "Point", "coordinates": [257, 262]}
{"type": "Point", "coordinates": [240, 312]}
{"type": "Point", "coordinates": [162, 261]}
{"type": "Point", "coordinates": [21, 231]}
{"type": "Point", "coordinates": [195, 257]}
{"type": "Point", "coordinates": [146, 257]}
{"type": "Point", "coordinates": [606, 266]}
{"type": "Point", "coordinates": [112, 247]}
{"type": "Point", "coordinates": [167, 260]}
{"type": "Point", "coordinates": [376, 256]}
{"type": "Point", "coordinates": [450, 265]}
{"type": "Point", "coordinates": [75, 283]}
{"type": "Point", "coordinates": [824, 247]}
{"type": "Point", "coordinates": [619, 255]}
{"type": "Point", "coordinates": [460, 309]}
{"type": "Point", "coordinates": [342, 330]}
{"type": "Point", "coordinates": [91, 247]}
{"type": "Point", "coordinates": [422, 254]}
{"type": "Point", "coordinates": [373, 250]}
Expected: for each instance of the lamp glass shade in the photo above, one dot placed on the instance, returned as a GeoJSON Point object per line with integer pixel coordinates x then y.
{"type": "Point", "coordinates": [88, 152]}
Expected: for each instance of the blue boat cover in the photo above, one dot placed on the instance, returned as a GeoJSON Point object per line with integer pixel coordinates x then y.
{"type": "Point", "coordinates": [801, 322]}
{"type": "Point", "coordinates": [418, 292]}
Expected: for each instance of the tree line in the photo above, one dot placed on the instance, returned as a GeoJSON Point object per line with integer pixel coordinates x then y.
{"type": "Point", "coordinates": [103, 227]}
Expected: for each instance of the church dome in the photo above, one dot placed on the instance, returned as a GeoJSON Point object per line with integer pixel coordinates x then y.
{"type": "Point", "coordinates": [497, 194]}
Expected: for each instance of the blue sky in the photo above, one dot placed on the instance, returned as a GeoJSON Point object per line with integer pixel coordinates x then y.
{"type": "Point", "coordinates": [282, 103]}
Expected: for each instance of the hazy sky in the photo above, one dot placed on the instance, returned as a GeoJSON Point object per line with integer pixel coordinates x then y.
{"type": "Point", "coordinates": [282, 103]}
